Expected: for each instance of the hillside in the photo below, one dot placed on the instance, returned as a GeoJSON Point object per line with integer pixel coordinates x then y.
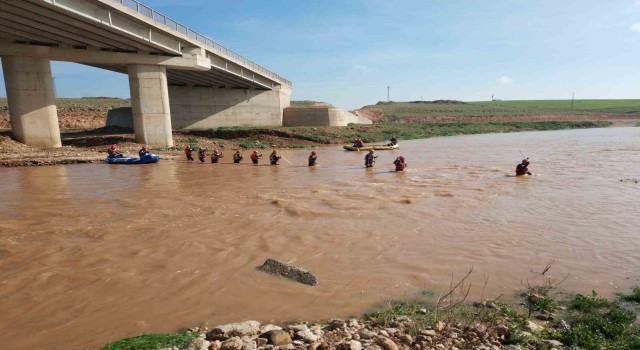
{"type": "Point", "coordinates": [533, 110]}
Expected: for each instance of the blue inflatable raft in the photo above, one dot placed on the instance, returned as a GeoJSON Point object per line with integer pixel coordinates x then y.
{"type": "Point", "coordinates": [149, 158]}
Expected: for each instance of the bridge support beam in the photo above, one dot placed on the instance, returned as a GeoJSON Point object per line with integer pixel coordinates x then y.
{"type": "Point", "coordinates": [31, 98]}
{"type": "Point", "coordinates": [150, 105]}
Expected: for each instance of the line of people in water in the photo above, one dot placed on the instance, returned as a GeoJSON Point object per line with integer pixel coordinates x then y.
{"type": "Point", "coordinates": [274, 158]}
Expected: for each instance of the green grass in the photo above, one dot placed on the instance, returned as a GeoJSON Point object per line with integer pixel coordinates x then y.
{"type": "Point", "coordinates": [583, 303]}
{"type": "Point", "coordinates": [634, 296]}
{"type": "Point", "coordinates": [152, 341]}
{"type": "Point", "coordinates": [508, 108]}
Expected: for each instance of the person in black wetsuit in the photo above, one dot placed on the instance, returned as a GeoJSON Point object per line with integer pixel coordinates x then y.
{"type": "Point", "coordinates": [274, 157]}
{"type": "Point", "coordinates": [370, 159]}
{"type": "Point", "coordinates": [144, 151]}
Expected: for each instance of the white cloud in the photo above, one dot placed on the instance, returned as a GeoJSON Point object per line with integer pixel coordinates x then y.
{"type": "Point", "coordinates": [505, 80]}
{"type": "Point", "coordinates": [361, 67]}
{"type": "Point", "coordinates": [635, 27]}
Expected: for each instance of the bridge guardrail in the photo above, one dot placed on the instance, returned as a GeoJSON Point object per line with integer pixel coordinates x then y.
{"type": "Point", "coordinates": [171, 24]}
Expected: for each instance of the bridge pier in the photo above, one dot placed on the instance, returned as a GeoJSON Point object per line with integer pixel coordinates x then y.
{"type": "Point", "coordinates": [31, 98]}
{"type": "Point", "coordinates": [150, 105]}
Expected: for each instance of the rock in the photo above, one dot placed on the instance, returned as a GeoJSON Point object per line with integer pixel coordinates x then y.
{"type": "Point", "coordinates": [242, 329]}
{"type": "Point", "coordinates": [562, 324]}
{"type": "Point", "coordinates": [429, 332]}
{"type": "Point", "coordinates": [278, 337]}
{"type": "Point", "coordinates": [392, 330]}
{"type": "Point", "coordinates": [269, 327]}
{"type": "Point", "coordinates": [298, 327]}
{"type": "Point", "coordinates": [336, 324]}
{"type": "Point", "coordinates": [297, 274]}
{"type": "Point", "coordinates": [373, 347]}
{"type": "Point", "coordinates": [386, 343]}
{"type": "Point", "coordinates": [298, 342]}
{"type": "Point", "coordinates": [422, 311]}
{"type": "Point", "coordinates": [234, 343]}
{"type": "Point", "coordinates": [534, 327]}
{"type": "Point", "coordinates": [554, 343]}
{"type": "Point", "coordinates": [403, 319]}
{"type": "Point", "coordinates": [353, 323]}
{"type": "Point", "coordinates": [502, 330]}
{"type": "Point", "coordinates": [307, 336]}
{"type": "Point", "coordinates": [367, 334]}
{"type": "Point", "coordinates": [441, 347]}
{"type": "Point", "coordinates": [250, 345]}
{"type": "Point", "coordinates": [406, 338]}
{"type": "Point", "coordinates": [260, 342]}
{"type": "Point", "coordinates": [215, 345]}
{"type": "Point", "coordinates": [199, 344]}
{"type": "Point", "coordinates": [439, 326]}
{"type": "Point", "coordinates": [383, 333]}
{"type": "Point", "coordinates": [350, 345]}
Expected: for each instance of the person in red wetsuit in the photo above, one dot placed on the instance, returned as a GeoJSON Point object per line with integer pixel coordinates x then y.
{"type": "Point", "coordinates": [216, 155]}
{"type": "Point", "coordinates": [358, 143]}
{"type": "Point", "coordinates": [202, 154]}
{"type": "Point", "coordinates": [188, 151]}
{"type": "Point", "coordinates": [400, 163]}
{"type": "Point", "coordinates": [113, 152]}
{"type": "Point", "coordinates": [255, 156]}
{"type": "Point", "coordinates": [523, 168]}
{"type": "Point", "coordinates": [313, 158]}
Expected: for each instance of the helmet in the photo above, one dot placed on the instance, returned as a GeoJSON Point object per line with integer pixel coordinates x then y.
{"type": "Point", "coordinates": [313, 153]}
{"type": "Point", "coordinates": [370, 151]}
{"type": "Point", "coordinates": [145, 147]}
{"type": "Point", "coordinates": [255, 152]}
{"type": "Point", "coordinates": [401, 158]}
{"type": "Point", "coordinates": [525, 160]}
{"type": "Point", "coordinates": [113, 146]}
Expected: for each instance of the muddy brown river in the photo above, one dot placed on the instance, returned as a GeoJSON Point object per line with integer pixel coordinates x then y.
{"type": "Point", "coordinates": [93, 253]}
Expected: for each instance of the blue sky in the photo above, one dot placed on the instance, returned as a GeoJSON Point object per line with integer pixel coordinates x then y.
{"type": "Point", "coordinates": [348, 52]}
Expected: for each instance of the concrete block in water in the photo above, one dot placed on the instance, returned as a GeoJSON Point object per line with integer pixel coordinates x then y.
{"type": "Point", "coordinates": [297, 274]}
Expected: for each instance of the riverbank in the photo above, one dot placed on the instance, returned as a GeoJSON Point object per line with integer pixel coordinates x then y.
{"type": "Point", "coordinates": [544, 319]}
{"type": "Point", "coordinates": [89, 146]}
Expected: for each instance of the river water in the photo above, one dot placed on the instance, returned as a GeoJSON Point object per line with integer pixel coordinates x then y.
{"type": "Point", "coordinates": [93, 253]}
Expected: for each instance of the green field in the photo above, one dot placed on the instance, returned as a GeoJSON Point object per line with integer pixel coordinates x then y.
{"type": "Point", "coordinates": [506, 108]}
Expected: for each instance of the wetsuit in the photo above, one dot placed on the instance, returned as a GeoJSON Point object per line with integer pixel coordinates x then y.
{"type": "Point", "coordinates": [188, 151]}
{"type": "Point", "coordinates": [143, 152]}
{"type": "Point", "coordinates": [400, 165]}
{"type": "Point", "coordinates": [202, 154]}
{"type": "Point", "coordinates": [255, 157]}
{"type": "Point", "coordinates": [237, 158]}
{"type": "Point", "coordinates": [393, 142]}
{"type": "Point", "coordinates": [358, 143]}
{"type": "Point", "coordinates": [369, 159]}
{"type": "Point", "coordinates": [215, 156]}
{"type": "Point", "coordinates": [312, 160]}
{"type": "Point", "coordinates": [522, 169]}
{"type": "Point", "coordinates": [113, 153]}
{"type": "Point", "coordinates": [274, 159]}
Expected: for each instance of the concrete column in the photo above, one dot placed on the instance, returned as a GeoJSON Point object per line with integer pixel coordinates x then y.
{"type": "Point", "coordinates": [31, 98]}
{"type": "Point", "coordinates": [150, 105]}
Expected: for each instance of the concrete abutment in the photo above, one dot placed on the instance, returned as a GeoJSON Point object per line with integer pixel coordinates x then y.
{"type": "Point", "coordinates": [31, 99]}
{"type": "Point", "coordinates": [150, 105]}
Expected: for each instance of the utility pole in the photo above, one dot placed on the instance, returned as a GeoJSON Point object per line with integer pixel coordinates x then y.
{"type": "Point", "coordinates": [573, 95]}
{"type": "Point", "coordinates": [388, 96]}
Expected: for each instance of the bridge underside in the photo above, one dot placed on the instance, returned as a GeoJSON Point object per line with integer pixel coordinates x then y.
{"type": "Point", "coordinates": [108, 35]}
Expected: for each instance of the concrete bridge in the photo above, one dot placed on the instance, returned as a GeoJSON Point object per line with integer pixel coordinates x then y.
{"type": "Point", "coordinates": [176, 75]}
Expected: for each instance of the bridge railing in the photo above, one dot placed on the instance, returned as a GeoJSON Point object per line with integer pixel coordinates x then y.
{"type": "Point", "coordinates": [171, 24]}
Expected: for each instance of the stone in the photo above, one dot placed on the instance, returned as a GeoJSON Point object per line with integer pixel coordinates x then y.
{"type": "Point", "coordinates": [562, 324]}
{"type": "Point", "coordinates": [291, 272]}
{"type": "Point", "coordinates": [367, 334]}
{"type": "Point", "coordinates": [534, 327]}
{"type": "Point", "coordinates": [554, 343]}
{"type": "Point", "coordinates": [241, 329]}
{"type": "Point", "coordinates": [215, 345]}
{"type": "Point", "coordinates": [439, 326]}
{"type": "Point", "coordinates": [429, 332]}
{"type": "Point", "coordinates": [353, 323]}
{"type": "Point", "coordinates": [403, 319]}
{"type": "Point", "coordinates": [502, 330]}
{"type": "Point", "coordinates": [350, 345]}
{"type": "Point", "coordinates": [250, 345]}
{"type": "Point", "coordinates": [406, 338]}
{"type": "Point", "coordinates": [383, 333]}
{"type": "Point", "coordinates": [298, 342]}
{"type": "Point", "coordinates": [269, 327]}
{"type": "Point", "coordinates": [278, 337]}
{"type": "Point", "coordinates": [386, 343]}
{"type": "Point", "coordinates": [373, 347]}
{"type": "Point", "coordinates": [337, 324]}
{"type": "Point", "coordinates": [298, 327]}
{"type": "Point", "coordinates": [441, 347]}
{"type": "Point", "coordinates": [234, 343]}
{"type": "Point", "coordinates": [422, 311]}
{"type": "Point", "coordinates": [199, 344]}
{"type": "Point", "coordinates": [261, 342]}
{"type": "Point", "coordinates": [307, 336]}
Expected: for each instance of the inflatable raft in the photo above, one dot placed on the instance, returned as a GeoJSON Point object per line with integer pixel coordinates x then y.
{"type": "Point", "coordinates": [371, 147]}
{"type": "Point", "coordinates": [149, 158]}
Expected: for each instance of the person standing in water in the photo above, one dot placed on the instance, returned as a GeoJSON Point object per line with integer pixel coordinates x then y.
{"type": "Point", "coordinates": [237, 157]}
{"type": "Point", "coordinates": [188, 151]}
{"type": "Point", "coordinates": [313, 158]}
{"type": "Point", "coordinates": [274, 157]}
{"type": "Point", "coordinates": [216, 155]}
{"type": "Point", "coordinates": [400, 163]}
{"type": "Point", "coordinates": [255, 157]}
{"type": "Point", "coordinates": [202, 154]}
{"type": "Point", "coordinates": [523, 168]}
{"type": "Point", "coordinates": [370, 159]}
